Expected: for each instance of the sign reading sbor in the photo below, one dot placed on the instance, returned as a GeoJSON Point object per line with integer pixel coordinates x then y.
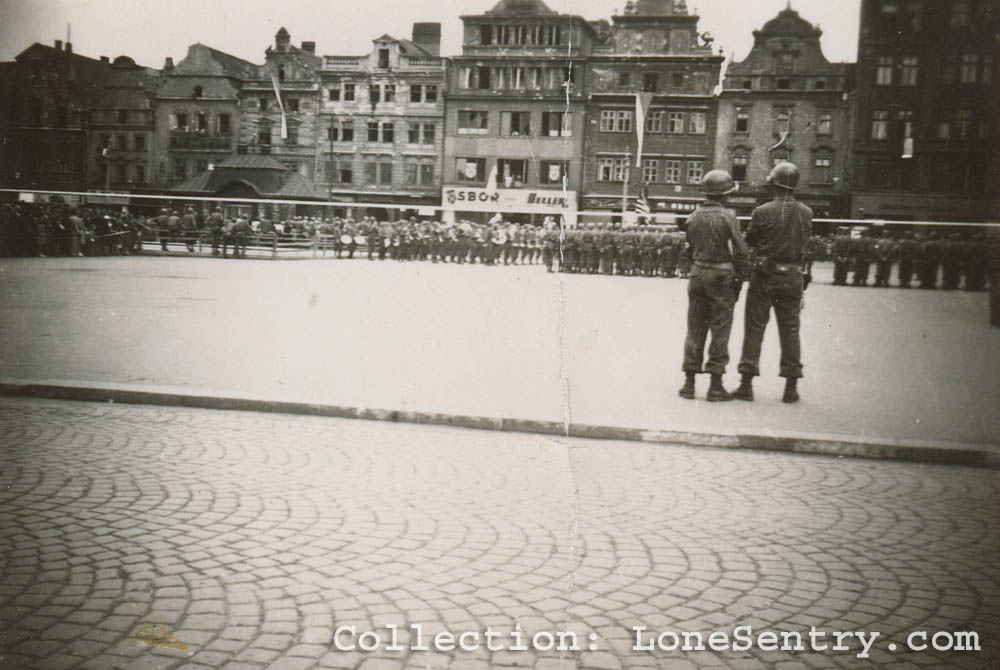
{"type": "Point", "coordinates": [478, 199]}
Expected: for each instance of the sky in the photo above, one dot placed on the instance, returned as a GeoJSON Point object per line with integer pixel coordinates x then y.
{"type": "Point", "coordinates": [150, 30]}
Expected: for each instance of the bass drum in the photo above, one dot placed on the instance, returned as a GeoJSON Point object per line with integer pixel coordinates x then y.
{"type": "Point", "coordinates": [345, 239]}
{"type": "Point", "coordinates": [361, 240]}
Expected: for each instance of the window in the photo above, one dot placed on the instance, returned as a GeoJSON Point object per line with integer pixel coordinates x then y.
{"type": "Point", "coordinates": [470, 170]}
{"type": "Point", "coordinates": [180, 169]}
{"type": "Point", "coordinates": [883, 72]}
{"type": "Point", "coordinates": [139, 142]}
{"type": "Point", "coordinates": [695, 170]}
{"type": "Point", "coordinates": [122, 142]}
{"type": "Point", "coordinates": [373, 94]}
{"type": "Point", "coordinates": [944, 130]}
{"type": "Point", "coordinates": [625, 79]}
{"type": "Point", "coordinates": [293, 104]}
{"type": "Point", "coordinates": [552, 172]}
{"type": "Point", "coordinates": [411, 172]}
{"type": "Point", "coordinates": [334, 93]}
{"type": "Point", "coordinates": [121, 172]}
{"type": "Point", "coordinates": [486, 35]}
{"type": "Point", "coordinates": [654, 121]}
{"type": "Point", "coordinates": [512, 172]}
{"type": "Point", "coordinates": [426, 173]}
{"type": "Point", "coordinates": [959, 14]}
{"type": "Point", "coordinates": [784, 84]}
{"type": "Point", "coordinates": [742, 121]}
{"type": "Point", "coordinates": [140, 174]}
{"type": "Point", "coordinates": [697, 123]}
{"type": "Point", "coordinates": [473, 122]}
{"type": "Point", "coordinates": [987, 69]}
{"type": "Point", "coordinates": [385, 172]}
{"type": "Point", "coordinates": [430, 133]}
{"type": "Point", "coordinates": [675, 123]}
{"type": "Point", "coordinates": [650, 170]}
{"type": "Point", "coordinates": [949, 67]}
{"type": "Point", "coordinates": [371, 172]}
{"type": "Point", "coordinates": [281, 74]}
{"type": "Point", "coordinates": [342, 131]}
{"type": "Point", "coordinates": [263, 102]}
{"type": "Point", "coordinates": [556, 124]}
{"type": "Point", "coordinates": [383, 59]}
{"type": "Point", "coordinates": [202, 122]}
{"type": "Point", "coordinates": [413, 134]}
{"type": "Point", "coordinates": [430, 93]}
{"type": "Point", "coordinates": [373, 131]}
{"type": "Point", "coordinates": [649, 81]}
{"type": "Point", "coordinates": [483, 80]}
{"type": "Point", "coordinates": [963, 124]}
{"type": "Point", "coordinates": [822, 169]}
{"type": "Point", "coordinates": [102, 142]}
{"type": "Point", "coordinates": [341, 170]}
{"type": "Point", "coordinates": [747, 84]}
{"type": "Point", "coordinates": [880, 124]}
{"type": "Point", "coordinates": [970, 62]}
{"type": "Point", "coordinates": [612, 169]}
{"type": "Point", "coordinates": [740, 167]}
{"type": "Point", "coordinates": [677, 79]}
{"type": "Point", "coordinates": [122, 116]}
{"type": "Point", "coordinates": [416, 93]}
{"type": "Point", "coordinates": [293, 135]}
{"type": "Point", "coordinates": [388, 93]}
{"type": "Point", "coordinates": [348, 92]}
{"type": "Point", "coordinates": [908, 74]}
{"type": "Point", "coordinates": [264, 134]}
{"type": "Point", "coordinates": [515, 124]}
{"type": "Point", "coordinates": [819, 84]}
{"type": "Point", "coordinates": [388, 133]}
{"type": "Point", "coordinates": [782, 118]}
{"type": "Point", "coordinates": [200, 165]}
{"type": "Point", "coordinates": [224, 128]}
{"type": "Point", "coordinates": [672, 172]}
{"type": "Point", "coordinates": [181, 121]}
{"type": "Point", "coordinates": [825, 124]}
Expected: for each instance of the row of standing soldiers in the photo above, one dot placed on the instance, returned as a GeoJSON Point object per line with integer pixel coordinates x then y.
{"type": "Point", "coordinates": [920, 257]}
{"type": "Point", "coordinates": [59, 229]}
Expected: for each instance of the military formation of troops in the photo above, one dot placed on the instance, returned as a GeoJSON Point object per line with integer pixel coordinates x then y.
{"type": "Point", "coordinates": [960, 261]}
{"type": "Point", "coordinates": [57, 229]}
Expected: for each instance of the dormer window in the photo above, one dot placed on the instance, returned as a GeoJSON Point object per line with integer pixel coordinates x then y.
{"type": "Point", "coordinates": [281, 74]}
{"type": "Point", "coordinates": [383, 59]}
{"type": "Point", "coordinates": [197, 91]}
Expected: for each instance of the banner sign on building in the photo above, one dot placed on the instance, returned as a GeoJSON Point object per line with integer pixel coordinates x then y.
{"type": "Point", "coordinates": [476, 199]}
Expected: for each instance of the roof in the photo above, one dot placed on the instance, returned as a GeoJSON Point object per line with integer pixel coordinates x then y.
{"type": "Point", "coordinates": [263, 174]}
{"type": "Point", "coordinates": [251, 161]}
{"type": "Point", "coordinates": [520, 8]}
{"type": "Point", "coordinates": [205, 60]}
{"type": "Point", "coordinates": [788, 22]}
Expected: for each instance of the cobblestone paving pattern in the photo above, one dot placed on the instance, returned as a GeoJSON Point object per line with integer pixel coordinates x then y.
{"type": "Point", "coordinates": [152, 538]}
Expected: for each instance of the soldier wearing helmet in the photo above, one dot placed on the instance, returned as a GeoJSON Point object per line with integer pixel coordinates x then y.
{"type": "Point", "coordinates": [718, 252]}
{"type": "Point", "coordinates": [778, 232]}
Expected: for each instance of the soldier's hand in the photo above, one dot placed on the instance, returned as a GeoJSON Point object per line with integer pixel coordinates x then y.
{"type": "Point", "coordinates": [737, 286]}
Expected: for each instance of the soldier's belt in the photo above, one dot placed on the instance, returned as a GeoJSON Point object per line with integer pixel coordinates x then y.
{"type": "Point", "coordinates": [724, 265]}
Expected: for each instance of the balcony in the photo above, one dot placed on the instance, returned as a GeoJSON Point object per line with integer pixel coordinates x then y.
{"type": "Point", "coordinates": [343, 62]}
{"type": "Point", "coordinates": [180, 139]}
{"type": "Point", "coordinates": [417, 63]}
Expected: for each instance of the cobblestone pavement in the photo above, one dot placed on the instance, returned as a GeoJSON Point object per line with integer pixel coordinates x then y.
{"type": "Point", "coordinates": [152, 538]}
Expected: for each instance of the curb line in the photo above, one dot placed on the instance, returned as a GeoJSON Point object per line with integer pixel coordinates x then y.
{"type": "Point", "coordinates": [893, 450]}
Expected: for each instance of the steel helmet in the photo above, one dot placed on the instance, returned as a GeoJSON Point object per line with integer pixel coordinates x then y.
{"type": "Point", "coordinates": [784, 175]}
{"type": "Point", "coordinates": [718, 182]}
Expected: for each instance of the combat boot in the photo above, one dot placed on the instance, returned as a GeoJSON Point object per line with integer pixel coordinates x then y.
{"type": "Point", "coordinates": [687, 391]}
{"type": "Point", "coordinates": [791, 390]}
{"type": "Point", "coordinates": [716, 392]}
{"type": "Point", "coordinates": [745, 391]}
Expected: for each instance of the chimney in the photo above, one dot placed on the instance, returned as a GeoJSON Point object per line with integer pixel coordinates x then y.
{"type": "Point", "coordinates": [69, 47]}
{"type": "Point", "coordinates": [428, 36]}
{"type": "Point", "coordinates": [309, 46]}
{"type": "Point", "coordinates": [105, 59]}
{"type": "Point", "coordinates": [58, 45]}
{"type": "Point", "coordinates": [168, 65]}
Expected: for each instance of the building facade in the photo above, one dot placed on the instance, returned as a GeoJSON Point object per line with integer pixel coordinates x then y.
{"type": "Point", "coordinates": [786, 102]}
{"type": "Point", "coordinates": [925, 138]}
{"type": "Point", "coordinates": [120, 153]}
{"type": "Point", "coordinates": [514, 121]}
{"type": "Point", "coordinates": [381, 124]}
{"type": "Point", "coordinates": [286, 129]}
{"type": "Point", "coordinates": [655, 68]}
{"type": "Point", "coordinates": [197, 112]}
{"type": "Point", "coordinates": [48, 93]}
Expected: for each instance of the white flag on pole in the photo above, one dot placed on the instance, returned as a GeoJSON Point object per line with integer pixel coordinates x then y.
{"type": "Point", "coordinates": [281, 106]}
{"type": "Point", "coordinates": [642, 103]}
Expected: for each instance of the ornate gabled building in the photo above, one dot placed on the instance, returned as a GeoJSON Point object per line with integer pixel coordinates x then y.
{"type": "Point", "coordinates": [516, 99]}
{"type": "Point", "coordinates": [47, 95]}
{"type": "Point", "coordinates": [120, 153]}
{"type": "Point", "coordinates": [926, 137]}
{"type": "Point", "coordinates": [198, 112]}
{"type": "Point", "coordinates": [285, 128]}
{"type": "Point", "coordinates": [786, 101]}
{"type": "Point", "coordinates": [654, 65]}
{"type": "Point", "coordinates": [380, 134]}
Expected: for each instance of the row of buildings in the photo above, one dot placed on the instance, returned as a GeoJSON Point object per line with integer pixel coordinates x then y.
{"type": "Point", "coordinates": [542, 113]}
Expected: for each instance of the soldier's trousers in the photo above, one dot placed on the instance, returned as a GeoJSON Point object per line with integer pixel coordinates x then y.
{"type": "Point", "coordinates": [607, 261]}
{"type": "Point", "coordinates": [861, 272]}
{"type": "Point", "coordinates": [882, 271]}
{"type": "Point", "coordinates": [928, 274]}
{"type": "Point", "coordinates": [839, 272]}
{"type": "Point", "coordinates": [548, 254]}
{"type": "Point", "coordinates": [950, 276]}
{"type": "Point", "coordinates": [783, 292]}
{"type": "Point", "coordinates": [711, 296]}
{"type": "Point", "coordinates": [905, 272]}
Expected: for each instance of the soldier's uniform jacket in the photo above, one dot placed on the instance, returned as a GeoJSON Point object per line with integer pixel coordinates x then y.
{"type": "Point", "coordinates": [843, 247]}
{"type": "Point", "coordinates": [909, 249]}
{"type": "Point", "coordinates": [779, 229]}
{"type": "Point", "coordinates": [714, 235]}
